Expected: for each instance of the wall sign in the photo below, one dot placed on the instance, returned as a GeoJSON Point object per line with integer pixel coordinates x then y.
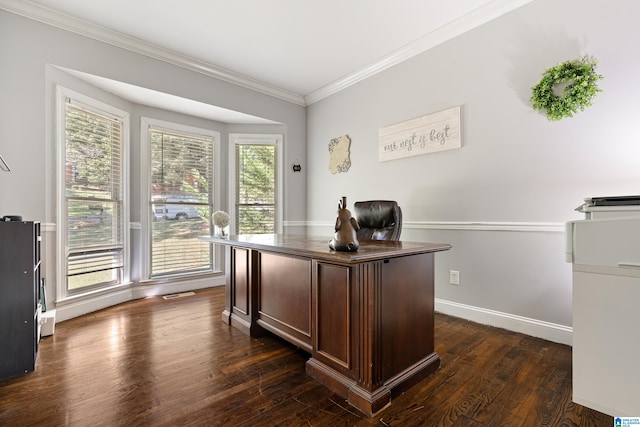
{"type": "Point", "coordinates": [427, 134]}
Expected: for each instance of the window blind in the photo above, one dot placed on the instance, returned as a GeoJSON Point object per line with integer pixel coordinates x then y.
{"type": "Point", "coordinates": [255, 188]}
{"type": "Point", "coordinates": [93, 194]}
{"type": "Point", "coordinates": [181, 202]}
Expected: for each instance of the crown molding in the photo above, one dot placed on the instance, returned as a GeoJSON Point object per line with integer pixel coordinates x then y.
{"type": "Point", "coordinates": [447, 32]}
{"type": "Point", "coordinates": [84, 28]}
{"type": "Point", "coordinates": [453, 29]}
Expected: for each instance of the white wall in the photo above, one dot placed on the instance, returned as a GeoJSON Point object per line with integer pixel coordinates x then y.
{"type": "Point", "coordinates": [500, 200]}
{"type": "Point", "coordinates": [516, 170]}
{"type": "Point", "coordinates": [32, 53]}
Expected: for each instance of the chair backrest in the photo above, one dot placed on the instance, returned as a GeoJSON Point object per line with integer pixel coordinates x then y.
{"type": "Point", "coordinates": [378, 219]}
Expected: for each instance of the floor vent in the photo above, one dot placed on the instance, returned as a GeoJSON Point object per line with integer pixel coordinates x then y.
{"type": "Point", "coordinates": [180, 295]}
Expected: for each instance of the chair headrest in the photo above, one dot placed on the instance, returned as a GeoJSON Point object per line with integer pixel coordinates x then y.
{"type": "Point", "coordinates": [376, 213]}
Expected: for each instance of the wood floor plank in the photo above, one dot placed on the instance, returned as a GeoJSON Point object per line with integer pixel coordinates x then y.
{"type": "Point", "coordinates": [156, 362]}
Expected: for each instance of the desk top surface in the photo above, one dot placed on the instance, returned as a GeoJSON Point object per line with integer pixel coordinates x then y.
{"type": "Point", "coordinates": [317, 247]}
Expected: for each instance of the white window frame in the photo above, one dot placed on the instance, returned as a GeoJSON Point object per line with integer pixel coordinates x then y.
{"type": "Point", "coordinates": [62, 94]}
{"type": "Point", "coordinates": [147, 123]}
{"type": "Point", "coordinates": [256, 139]}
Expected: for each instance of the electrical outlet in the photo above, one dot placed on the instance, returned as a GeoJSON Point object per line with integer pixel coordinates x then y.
{"type": "Point", "coordinates": [454, 277]}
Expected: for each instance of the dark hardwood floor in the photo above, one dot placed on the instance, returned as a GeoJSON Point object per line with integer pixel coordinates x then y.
{"type": "Point", "coordinates": [173, 362]}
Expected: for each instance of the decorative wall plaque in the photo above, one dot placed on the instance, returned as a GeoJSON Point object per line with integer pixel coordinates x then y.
{"type": "Point", "coordinates": [339, 160]}
{"type": "Point", "coordinates": [427, 134]}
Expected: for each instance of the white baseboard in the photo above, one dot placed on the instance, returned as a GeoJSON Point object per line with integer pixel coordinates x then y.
{"type": "Point", "coordinates": [90, 304]}
{"type": "Point", "coordinates": [537, 328]}
{"type": "Point", "coordinates": [148, 290]}
{"type": "Point", "coordinates": [82, 306]}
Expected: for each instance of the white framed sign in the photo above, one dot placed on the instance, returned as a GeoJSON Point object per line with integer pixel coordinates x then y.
{"type": "Point", "coordinates": [427, 134]}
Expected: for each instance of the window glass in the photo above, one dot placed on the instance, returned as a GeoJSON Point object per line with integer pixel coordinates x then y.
{"type": "Point", "coordinates": [181, 190]}
{"type": "Point", "coordinates": [93, 198]}
{"type": "Point", "coordinates": [255, 188]}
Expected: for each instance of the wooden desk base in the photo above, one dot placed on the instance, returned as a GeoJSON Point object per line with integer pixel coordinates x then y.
{"type": "Point", "coordinates": [367, 319]}
{"type": "Point", "coordinates": [370, 402]}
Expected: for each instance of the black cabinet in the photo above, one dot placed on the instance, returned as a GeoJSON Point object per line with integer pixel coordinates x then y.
{"type": "Point", "coordinates": [19, 296]}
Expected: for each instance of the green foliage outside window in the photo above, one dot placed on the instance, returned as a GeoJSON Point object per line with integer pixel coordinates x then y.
{"type": "Point", "coordinates": [256, 189]}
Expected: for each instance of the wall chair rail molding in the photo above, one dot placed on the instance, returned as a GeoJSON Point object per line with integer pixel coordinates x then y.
{"type": "Point", "coordinates": [546, 227]}
{"type": "Point", "coordinates": [296, 223]}
{"type": "Point", "coordinates": [487, 226]}
{"type": "Point", "coordinates": [49, 227]}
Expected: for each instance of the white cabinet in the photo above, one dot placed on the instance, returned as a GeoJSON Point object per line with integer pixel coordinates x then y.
{"type": "Point", "coordinates": [606, 341]}
{"type": "Point", "coordinates": [605, 254]}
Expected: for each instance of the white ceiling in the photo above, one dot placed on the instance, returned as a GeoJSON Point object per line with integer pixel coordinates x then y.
{"type": "Point", "coordinates": [299, 50]}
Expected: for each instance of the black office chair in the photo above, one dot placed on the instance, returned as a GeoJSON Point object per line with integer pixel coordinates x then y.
{"type": "Point", "coordinates": [378, 220]}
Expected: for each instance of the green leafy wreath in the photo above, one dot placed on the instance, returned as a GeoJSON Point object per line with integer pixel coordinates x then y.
{"type": "Point", "coordinates": [581, 78]}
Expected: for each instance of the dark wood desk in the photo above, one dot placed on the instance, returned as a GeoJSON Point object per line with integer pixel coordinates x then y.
{"type": "Point", "coordinates": [365, 317]}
